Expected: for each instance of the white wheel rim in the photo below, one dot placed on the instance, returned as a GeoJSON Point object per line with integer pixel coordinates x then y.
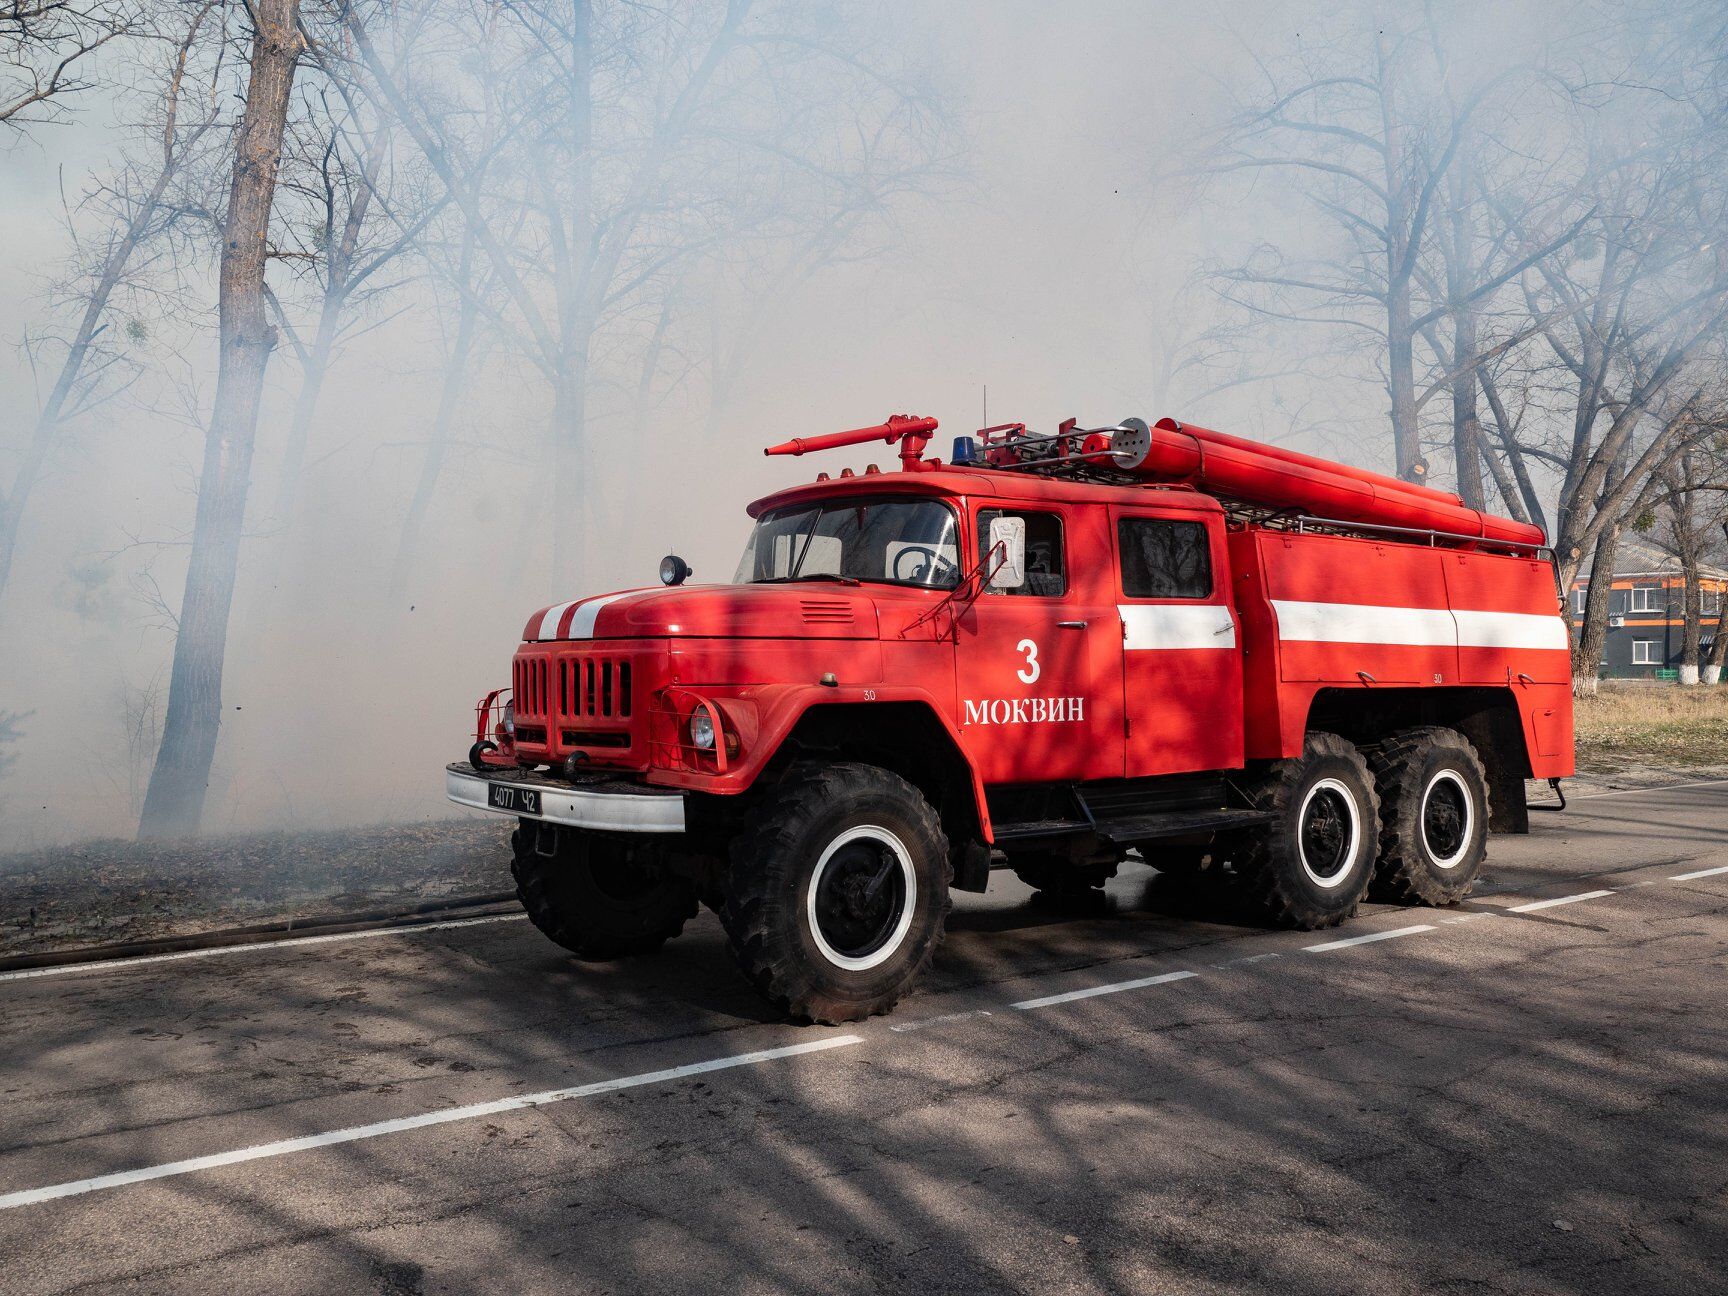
{"type": "Point", "coordinates": [908, 878]}
{"type": "Point", "coordinates": [1457, 857]}
{"type": "Point", "coordinates": [1344, 794]}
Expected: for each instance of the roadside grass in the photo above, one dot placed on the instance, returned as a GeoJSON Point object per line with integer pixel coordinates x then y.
{"type": "Point", "coordinates": [1660, 724]}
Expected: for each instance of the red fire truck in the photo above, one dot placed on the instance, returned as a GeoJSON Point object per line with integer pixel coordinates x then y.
{"type": "Point", "coordinates": [1043, 654]}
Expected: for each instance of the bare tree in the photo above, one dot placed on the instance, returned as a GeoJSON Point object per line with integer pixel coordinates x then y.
{"type": "Point", "coordinates": [174, 803]}
{"type": "Point", "coordinates": [46, 49]}
{"type": "Point", "coordinates": [1626, 322]}
{"type": "Point", "coordinates": [139, 209]}
{"type": "Point", "coordinates": [1371, 135]}
{"type": "Point", "coordinates": [634, 136]}
{"type": "Point", "coordinates": [464, 341]}
{"type": "Point", "coordinates": [344, 216]}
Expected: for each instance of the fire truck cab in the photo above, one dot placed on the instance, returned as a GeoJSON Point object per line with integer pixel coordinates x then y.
{"type": "Point", "coordinates": [1043, 655]}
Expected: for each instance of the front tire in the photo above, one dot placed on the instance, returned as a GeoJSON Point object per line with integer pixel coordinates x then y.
{"type": "Point", "coordinates": [598, 897]}
{"type": "Point", "coordinates": [837, 892]}
{"type": "Point", "coordinates": [1433, 816]}
{"type": "Point", "coordinates": [1310, 866]}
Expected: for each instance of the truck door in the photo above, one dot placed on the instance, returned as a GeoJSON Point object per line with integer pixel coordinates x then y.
{"type": "Point", "coordinates": [1181, 664]}
{"type": "Point", "coordinates": [1038, 666]}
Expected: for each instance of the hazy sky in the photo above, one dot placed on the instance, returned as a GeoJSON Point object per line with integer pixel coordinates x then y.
{"type": "Point", "coordinates": [1040, 274]}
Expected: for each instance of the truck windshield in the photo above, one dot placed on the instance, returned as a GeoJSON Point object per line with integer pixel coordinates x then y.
{"type": "Point", "coordinates": [892, 542]}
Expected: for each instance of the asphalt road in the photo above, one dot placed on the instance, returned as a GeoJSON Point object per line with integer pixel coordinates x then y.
{"type": "Point", "coordinates": [1499, 1097]}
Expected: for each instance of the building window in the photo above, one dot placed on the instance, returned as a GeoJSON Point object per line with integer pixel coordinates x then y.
{"type": "Point", "coordinates": [1712, 601]}
{"type": "Point", "coordinates": [1046, 573]}
{"type": "Point", "coordinates": [1646, 652]}
{"type": "Point", "coordinates": [1647, 598]}
{"type": "Point", "coordinates": [1579, 597]}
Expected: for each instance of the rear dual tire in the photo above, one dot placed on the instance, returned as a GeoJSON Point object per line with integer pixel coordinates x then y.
{"type": "Point", "coordinates": [1311, 864]}
{"type": "Point", "coordinates": [1433, 816]}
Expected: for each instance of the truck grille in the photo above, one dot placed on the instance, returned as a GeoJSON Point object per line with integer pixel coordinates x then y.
{"type": "Point", "coordinates": [575, 700]}
{"type": "Point", "coordinates": [594, 688]}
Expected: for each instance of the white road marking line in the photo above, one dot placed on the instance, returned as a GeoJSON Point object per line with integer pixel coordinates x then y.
{"type": "Point", "coordinates": [1247, 958]}
{"type": "Point", "coordinates": [1115, 987]}
{"type": "Point", "coordinates": [1369, 939]}
{"type": "Point", "coordinates": [944, 1019]}
{"type": "Point", "coordinates": [1701, 873]}
{"type": "Point", "coordinates": [1654, 787]}
{"type": "Point", "coordinates": [356, 1133]}
{"type": "Point", "coordinates": [1561, 900]}
{"type": "Point", "coordinates": [121, 965]}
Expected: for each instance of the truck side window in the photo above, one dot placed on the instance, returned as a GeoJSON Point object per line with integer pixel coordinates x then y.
{"type": "Point", "coordinates": [1164, 559]}
{"type": "Point", "coordinates": [1046, 573]}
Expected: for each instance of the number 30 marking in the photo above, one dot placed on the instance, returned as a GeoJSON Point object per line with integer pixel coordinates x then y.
{"type": "Point", "coordinates": [1029, 674]}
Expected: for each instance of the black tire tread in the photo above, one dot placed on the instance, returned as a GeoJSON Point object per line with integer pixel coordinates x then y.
{"type": "Point", "coordinates": [557, 917]}
{"type": "Point", "coordinates": [1399, 879]}
{"type": "Point", "coordinates": [1255, 866]}
{"type": "Point", "coordinates": [772, 830]}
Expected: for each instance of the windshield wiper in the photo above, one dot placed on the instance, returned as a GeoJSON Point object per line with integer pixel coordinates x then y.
{"type": "Point", "coordinates": [809, 576]}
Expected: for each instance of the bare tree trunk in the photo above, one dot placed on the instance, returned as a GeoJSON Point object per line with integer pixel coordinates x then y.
{"type": "Point", "coordinates": [570, 460]}
{"type": "Point", "coordinates": [1506, 434]}
{"type": "Point", "coordinates": [1593, 634]}
{"type": "Point", "coordinates": [1401, 381]}
{"type": "Point", "coordinates": [316, 366]}
{"type": "Point", "coordinates": [438, 447]}
{"type": "Point", "coordinates": [1466, 423]}
{"type": "Point", "coordinates": [1689, 549]}
{"type": "Point", "coordinates": [1718, 657]}
{"type": "Point", "coordinates": [174, 803]}
{"type": "Point", "coordinates": [339, 284]}
{"type": "Point", "coordinates": [1692, 636]}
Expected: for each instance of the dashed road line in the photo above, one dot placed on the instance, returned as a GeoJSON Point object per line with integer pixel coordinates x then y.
{"type": "Point", "coordinates": [942, 1020]}
{"type": "Point", "coordinates": [1534, 905]}
{"type": "Point", "coordinates": [1115, 987]}
{"type": "Point", "coordinates": [1369, 939]}
{"type": "Point", "coordinates": [122, 965]}
{"type": "Point", "coordinates": [1701, 873]}
{"type": "Point", "coordinates": [119, 965]}
{"type": "Point", "coordinates": [1654, 787]}
{"type": "Point", "coordinates": [356, 1133]}
{"type": "Point", "coordinates": [473, 1111]}
{"type": "Point", "coordinates": [1248, 958]}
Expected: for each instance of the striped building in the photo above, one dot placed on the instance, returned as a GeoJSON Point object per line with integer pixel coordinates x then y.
{"type": "Point", "coordinates": [1647, 610]}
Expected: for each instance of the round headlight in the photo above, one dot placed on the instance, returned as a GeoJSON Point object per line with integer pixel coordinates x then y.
{"type": "Point", "coordinates": [702, 730]}
{"type": "Point", "coordinates": [674, 570]}
{"type": "Point", "coordinates": [510, 718]}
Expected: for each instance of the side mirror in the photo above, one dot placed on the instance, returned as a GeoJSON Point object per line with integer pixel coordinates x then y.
{"type": "Point", "coordinates": [1006, 561]}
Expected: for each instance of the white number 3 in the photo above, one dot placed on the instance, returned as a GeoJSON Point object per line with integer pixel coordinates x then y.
{"type": "Point", "coordinates": [1032, 670]}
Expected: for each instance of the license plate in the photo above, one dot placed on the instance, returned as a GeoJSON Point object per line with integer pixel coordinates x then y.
{"type": "Point", "coordinates": [501, 796]}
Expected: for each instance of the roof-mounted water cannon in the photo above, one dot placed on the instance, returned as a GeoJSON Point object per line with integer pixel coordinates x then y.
{"type": "Point", "coordinates": [910, 430]}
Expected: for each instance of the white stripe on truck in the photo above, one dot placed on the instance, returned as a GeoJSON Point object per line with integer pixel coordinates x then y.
{"type": "Point", "coordinates": [1510, 630]}
{"type": "Point", "coordinates": [1175, 625]}
{"type": "Point", "coordinates": [1363, 623]}
{"type": "Point", "coordinates": [587, 610]}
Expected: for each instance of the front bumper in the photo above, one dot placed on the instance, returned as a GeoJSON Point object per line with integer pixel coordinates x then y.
{"type": "Point", "coordinates": [607, 804]}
